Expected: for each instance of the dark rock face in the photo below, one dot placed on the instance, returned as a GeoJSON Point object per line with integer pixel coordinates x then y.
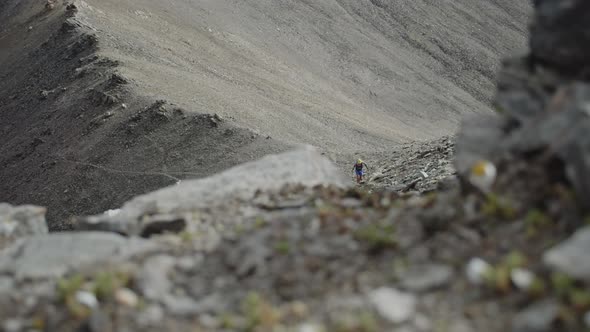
{"type": "Point", "coordinates": [543, 102]}
{"type": "Point", "coordinates": [560, 36]}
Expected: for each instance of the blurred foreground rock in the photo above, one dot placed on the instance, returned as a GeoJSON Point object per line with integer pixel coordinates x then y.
{"type": "Point", "coordinates": [166, 208]}
{"type": "Point", "coordinates": [20, 221]}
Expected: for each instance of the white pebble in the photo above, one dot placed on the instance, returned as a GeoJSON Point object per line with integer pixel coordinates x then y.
{"type": "Point", "coordinates": [393, 305]}
{"type": "Point", "coordinates": [86, 298]}
{"type": "Point", "coordinates": [476, 270]}
{"type": "Point", "coordinates": [310, 327]}
{"type": "Point", "coordinates": [127, 297]}
{"type": "Point", "coordinates": [523, 279]}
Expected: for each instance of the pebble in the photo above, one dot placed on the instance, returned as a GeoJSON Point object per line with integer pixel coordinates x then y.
{"type": "Point", "coordinates": [522, 278]}
{"type": "Point", "coordinates": [476, 269]}
{"type": "Point", "coordinates": [426, 277]}
{"type": "Point", "coordinates": [86, 298]}
{"type": "Point", "coordinates": [127, 297]}
{"type": "Point", "coordinates": [393, 305]}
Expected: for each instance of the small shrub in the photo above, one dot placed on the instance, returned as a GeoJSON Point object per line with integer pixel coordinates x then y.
{"type": "Point", "coordinates": [376, 235]}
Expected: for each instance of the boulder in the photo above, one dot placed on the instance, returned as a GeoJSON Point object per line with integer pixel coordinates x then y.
{"type": "Point", "coordinates": [305, 166]}
{"type": "Point", "coordinates": [53, 255]}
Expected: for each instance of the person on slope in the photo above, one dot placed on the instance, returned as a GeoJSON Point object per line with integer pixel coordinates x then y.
{"type": "Point", "coordinates": [358, 170]}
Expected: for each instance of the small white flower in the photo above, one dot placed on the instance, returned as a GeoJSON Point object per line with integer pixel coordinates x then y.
{"type": "Point", "coordinates": [483, 175]}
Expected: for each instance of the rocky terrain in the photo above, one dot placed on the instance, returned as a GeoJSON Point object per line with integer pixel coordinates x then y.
{"type": "Point", "coordinates": [497, 242]}
{"type": "Point", "coordinates": [104, 100]}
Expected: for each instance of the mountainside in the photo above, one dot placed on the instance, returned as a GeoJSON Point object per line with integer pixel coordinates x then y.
{"type": "Point", "coordinates": [104, 100]}
{"type": "Point", "coordinates": [487, 230]}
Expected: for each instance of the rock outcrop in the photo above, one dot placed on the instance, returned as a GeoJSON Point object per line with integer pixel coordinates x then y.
{"type": "Point", "coordinates": [173, 208]}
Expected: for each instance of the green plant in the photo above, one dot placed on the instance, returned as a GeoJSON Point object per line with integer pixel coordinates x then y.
{"type": "Point", "coordinates": [534, 220]}
{"type": "Point", "coordinates": [260, 222]}
{"type": "Point", "coordinates": [537, 287]}
{"type": "Point", "coordinates": [186, 236]}
{"type": "Point", "coordinates": [227, 321]}
{"type": "Point", "coordinates": [378, 236]}
{"type": "Point", "coordinates": [106, 283]}
{"type": "Point", "coordinates": [283, 247]}
{"type": "Point", "coordinates": [258, 312]}
{"type": "Point", "coordinates": [514, 259]}
{"type": "Point", "coordinates": [360, 322]}
{"type": "Point", "coordinates": [67, 287]}
{"type": "Point", "coordinates": [579, 298]}
{"type": "Point", "coordinates": [495, 206]}
{"type": "Point", "coordinates": [562, 284]}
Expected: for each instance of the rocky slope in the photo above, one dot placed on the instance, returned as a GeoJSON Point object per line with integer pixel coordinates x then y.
{"type": "Point", "coordinates": [104, 100]}
{"type": "Point", "coordinates": [295, 249]}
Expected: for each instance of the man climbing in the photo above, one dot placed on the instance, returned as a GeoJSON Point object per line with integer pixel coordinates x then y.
{"type": "Point", "coordinates": [358, 170]}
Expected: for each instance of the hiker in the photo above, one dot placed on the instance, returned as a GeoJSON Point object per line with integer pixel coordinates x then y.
{"type": "Point", "coordinates": [358, 170]}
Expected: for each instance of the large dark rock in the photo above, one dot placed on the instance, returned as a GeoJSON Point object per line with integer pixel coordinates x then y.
{"type": "Point", "coordinates": [561, 35]}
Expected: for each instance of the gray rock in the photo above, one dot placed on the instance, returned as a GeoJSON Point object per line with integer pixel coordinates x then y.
{"type": "Point", "coordinates": [153, 279]}
{"type": "Point", "coordinates": [19, 221]}
{"type": "Point", "coordinates": [539, 317]}
{"type": "Point", "coordinates": [151, 316]}
{"type": "Point", "coordinates": [426, 277]}
{"type": "Point", "coordinates": [517, 97]}
{"type": "Point", "coordinates": [6, 285]}
{"type": "Point", "coordinates": [12, 325]}
{"type": "Point", "coordinates": [180, 305]}
{"type": "Point", "coordinates": [99, 322]}
{"type": "Point", "coordinates": [571, 256]}
{"type": "Point", "coordinates": [53, 255]}
{"type": "Point", "coordinates": [395, 306]}
{"type": "Point", "coordinates": [479, 139]}
{"type": "Point", "coordinates": [305, 166]}
{"type": "Point", "coordinates": [559, 35]}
